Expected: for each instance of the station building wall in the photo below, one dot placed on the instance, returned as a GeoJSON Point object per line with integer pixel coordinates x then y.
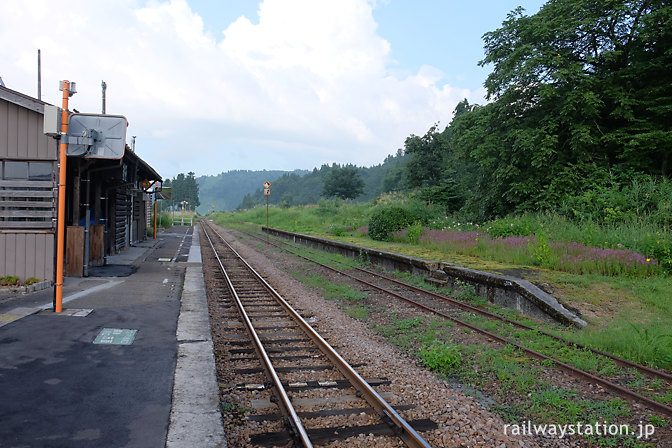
{"type": "Point", "coordinates": [110, 190]}
{"type": "Point", "coordinates": [28, 171]}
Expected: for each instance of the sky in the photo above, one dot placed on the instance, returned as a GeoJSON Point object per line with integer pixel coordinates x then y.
{"type": "Point", "coordinates": [211, 86]}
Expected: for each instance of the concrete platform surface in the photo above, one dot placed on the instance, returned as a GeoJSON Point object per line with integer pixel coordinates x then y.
{"type": "Point", "coordinates": [103, 373]}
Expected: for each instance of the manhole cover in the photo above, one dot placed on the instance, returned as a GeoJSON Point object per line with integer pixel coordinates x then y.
{"type": "Point", "coordinates": [115, 336]}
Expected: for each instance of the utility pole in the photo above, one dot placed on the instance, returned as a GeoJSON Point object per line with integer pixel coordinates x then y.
{"type": "Point", "coordinates": [68, 90]}
{"type": "Point", "coordinates": [104, 86]}
{"type": "Point", "coordinates": [39, 75]}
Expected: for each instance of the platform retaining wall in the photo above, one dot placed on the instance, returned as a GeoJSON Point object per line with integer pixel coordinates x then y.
{"type": "Point", "coordinates": [506, 291]}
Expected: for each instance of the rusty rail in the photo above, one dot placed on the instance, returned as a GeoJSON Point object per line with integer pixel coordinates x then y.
{"type": "Point", "coordinates": [623, 391]}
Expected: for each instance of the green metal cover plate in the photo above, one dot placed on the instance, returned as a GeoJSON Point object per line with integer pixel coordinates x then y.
{"type": "Point", "coordinates": [115, 336]}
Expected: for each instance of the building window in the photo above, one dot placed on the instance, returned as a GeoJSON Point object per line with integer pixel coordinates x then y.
{"type": "Point", "coordinates": [27, 170]}
{"type": "Point", "coordinates": [40, 170]}
{"type": "Point", "coordinates": [16, 171]}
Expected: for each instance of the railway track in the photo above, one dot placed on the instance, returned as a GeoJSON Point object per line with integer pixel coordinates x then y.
{"type": "Point", "coordinates": [304, 391]}
{"type": "Point", "coordinates": [444, 306]}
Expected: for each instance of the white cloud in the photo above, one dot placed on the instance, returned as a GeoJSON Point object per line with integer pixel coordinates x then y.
{"type": "Point", "coordinates": [311, 82]}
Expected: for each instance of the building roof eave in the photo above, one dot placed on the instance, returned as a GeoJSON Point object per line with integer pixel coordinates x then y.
{"type": "Point", "coordinates": [151, 174]}
{"type": "Point", "coordinates": [22, 100]}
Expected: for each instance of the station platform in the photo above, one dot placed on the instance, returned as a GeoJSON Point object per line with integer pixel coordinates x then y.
{"type": "Point", "coordinates": [128, 363]}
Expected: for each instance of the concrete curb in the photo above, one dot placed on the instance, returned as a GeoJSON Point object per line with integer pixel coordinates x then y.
{"type": "Point", "coordinates": [195, 418]}
{"type": "Point", "coordinates": [516, 293]}
{"type": "Point", "coordinates": [506, 291]}
{"type": "Point", "coordinates": [26, 289]}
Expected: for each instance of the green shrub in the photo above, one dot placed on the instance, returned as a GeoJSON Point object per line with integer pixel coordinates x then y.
{"type": "Point", "coordinates": [623, 200]}
{"type": "Point", "coordinates": [447, 194]}
{"type": "Point", "coordinates": [467, 292]}
{"type": "Point", "coordinates": [31, 281]}
{"type": "Point", "coordinates": [440, 357]}
{"type": "Point", "coordinates": [328, 207]}
{"type": "Point", "coordinates": [523, 225]}
{"type": "Point", "coordinates": [390, 219]}
{"type": "Point", "coordinates": [337, 230]}
{"type": "Point", "coordinates": [10, 280]}
{"type": "Point", "coordinates": [415, 232]}
{"type": "Point", "coordinates": [164, 220]}
{"type": "Point", "coordinates": [542, 252]}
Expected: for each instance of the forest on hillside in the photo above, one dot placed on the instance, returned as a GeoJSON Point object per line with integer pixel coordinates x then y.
{"type": "Point", "coordinates": [580, 115]}
{"type": "Point", "coordinates": [578, 120]}
{"type": "Point", "coordinates": [226, 190]}
{"type": "Point", "coordinates": [348, 182]}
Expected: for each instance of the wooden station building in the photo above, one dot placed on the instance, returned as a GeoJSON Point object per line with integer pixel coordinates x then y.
{"type": "Point", "coordinates": [109, 192]}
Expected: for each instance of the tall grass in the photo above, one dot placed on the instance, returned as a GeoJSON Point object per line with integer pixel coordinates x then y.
{"type": "Point", "coordinates": [164, 220]}
{"type": "Point", "coordinates": [601, 265]}
{"type": "Point", "coordinates": [633, 248]}
{"type": "Point", "coordinates": [567, 256]}
{"type": "Point", "coordinates": [328, 216]}
{"type": "Point", "coordinates": [647, 343]}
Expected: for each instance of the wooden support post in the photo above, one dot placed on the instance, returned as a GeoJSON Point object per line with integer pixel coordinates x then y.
{"type": "Point", "coordinates": [155, 215]}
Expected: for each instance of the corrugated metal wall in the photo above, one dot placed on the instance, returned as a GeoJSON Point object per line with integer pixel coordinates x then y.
{"type": "Point", "coordinates": [25, 252]}
{"type": "Point", "coordinates": [27, 255]}
{"type": "Point", "coordinates": [21, 134]}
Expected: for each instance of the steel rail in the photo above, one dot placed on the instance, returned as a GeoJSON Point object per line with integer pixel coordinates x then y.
{"type": "Point", "coordinates": [650, 403]}
{"type": "Point", "coordinates": [387, 413]}
{"type": "Point", "coordinates": [623, 362]}
{"type": "Point", "coordinates": [292, 417]}
{"type": "Point", "coordinates": [467, 307]}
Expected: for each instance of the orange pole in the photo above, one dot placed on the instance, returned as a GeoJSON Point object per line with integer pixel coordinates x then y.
{"type": "Point", "coordinates": [60, 237]}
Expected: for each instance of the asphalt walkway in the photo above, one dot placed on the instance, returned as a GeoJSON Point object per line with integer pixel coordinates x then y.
{"type": "Point", "coordinates": [128, 363]}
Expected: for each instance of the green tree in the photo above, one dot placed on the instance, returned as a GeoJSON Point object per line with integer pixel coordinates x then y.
{"type": "Point", "coordinates": [593, 77]}
{"type": "Point", "coordinates": [344, 183]}
{"type": "Point", "coordinates": [185, 189]}
{"type": "Point", "coordinates": [578, 91]}
{"type": "Point", "coordinates": [247, 203]}
{"type": "Point", "coordinates": [191, 189]}
{"type": "Point", "coordinates": [179, 193]}
{"type": "Point", "coordinates": [425, 168]}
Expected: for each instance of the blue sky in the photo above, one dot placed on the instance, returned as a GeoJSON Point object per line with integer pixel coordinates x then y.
{"type": "Point", "coordinates": [446, 34]}
{"type": "Point", "coordinates": [212, 86]}
{"type": "Point", "coordinates": [443, 33]}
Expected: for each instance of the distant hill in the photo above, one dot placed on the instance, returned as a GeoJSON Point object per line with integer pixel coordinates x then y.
{"type": "Point", "coordinates": [244, 188]}
{"type": "Point", "coordinates": [226, 190]}
{"type": "Point", "coordinates": [301, 189]}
